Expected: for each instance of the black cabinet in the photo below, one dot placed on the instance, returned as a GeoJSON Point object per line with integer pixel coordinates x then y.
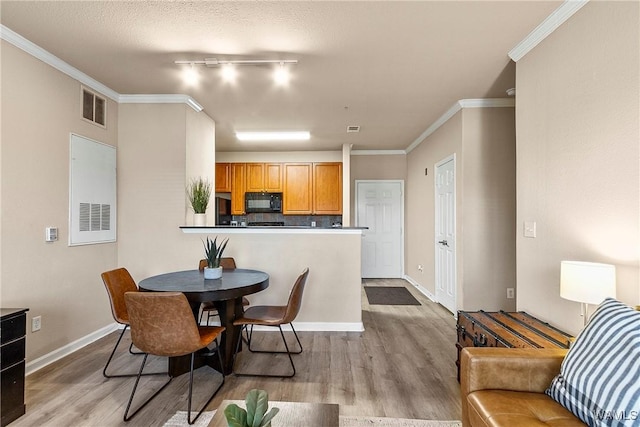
{"type": "Point", "coordinates": [12, 352]}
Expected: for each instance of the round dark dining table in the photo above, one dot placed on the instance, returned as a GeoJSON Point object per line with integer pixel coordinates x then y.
{"type": "Point", "coordinates": [226, 294]}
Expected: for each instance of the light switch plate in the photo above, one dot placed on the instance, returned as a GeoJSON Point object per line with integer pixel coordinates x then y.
{"type": "Point", "coordinates": [530, 229]}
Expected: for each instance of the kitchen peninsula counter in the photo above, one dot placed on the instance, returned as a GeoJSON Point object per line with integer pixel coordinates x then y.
{"type": "Point", "coordinates": [332, 299]}
{"type": "Point", "coordinates": [286, 229]}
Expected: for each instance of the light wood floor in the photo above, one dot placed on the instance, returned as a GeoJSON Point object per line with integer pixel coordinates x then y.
{"type": "Point", "coordinates": [402, 366]}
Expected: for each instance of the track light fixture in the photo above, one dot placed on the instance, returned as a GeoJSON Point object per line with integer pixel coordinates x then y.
{"type": "Point", "coordinates": [228, 67]}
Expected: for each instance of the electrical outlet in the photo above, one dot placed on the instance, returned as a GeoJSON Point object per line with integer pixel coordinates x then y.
{"type": "Point", "coordinates": [36, 323]}
{"type": "Point", "coordinates": [511, 293]}
{"type": "Point", "coordinates": [420, 268]}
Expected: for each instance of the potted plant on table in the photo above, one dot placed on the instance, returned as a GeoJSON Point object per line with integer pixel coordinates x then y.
{"type": "Point", "coordinates": [213, 253]}
{"type": "Point", "coordinates": [199, 193]}
{"type": "Point", "coordinates": [255, 415]}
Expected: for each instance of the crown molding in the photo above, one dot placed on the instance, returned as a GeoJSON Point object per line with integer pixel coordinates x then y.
{"type": "Point", "coordinates": [546, 27]}
{"type": "Point", "coordinates": [457, 106]}
{"type": "Point", "coordinates": [377, 152]}
{"type": "Point", "coordinates": [48, 58]}
{"type": "Point", "coordinates": [37, 52]}
{"type": "Point", "coordinates": [487, 103]}
{"type": "Point", "coordinates": [160, 99]}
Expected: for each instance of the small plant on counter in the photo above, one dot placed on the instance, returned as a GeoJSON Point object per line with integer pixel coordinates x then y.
{"type": "Point", "coordinates": [256, 414]}
{"type": "Point", "coordinates": [199, 192]}
{"type": "Point", "coordinates": [213, 252]}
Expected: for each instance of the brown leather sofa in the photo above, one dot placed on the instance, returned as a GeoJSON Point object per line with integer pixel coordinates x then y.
{"type": "Point", "coordinates": [505, 387]}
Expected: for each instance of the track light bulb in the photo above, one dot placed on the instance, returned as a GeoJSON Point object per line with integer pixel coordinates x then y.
{"type": "Point", "coordinates": [191, 76]}
{"type": "Point", "coordinates": [281, 75]}
{"type": "Point", "coordinates": [228, 73]}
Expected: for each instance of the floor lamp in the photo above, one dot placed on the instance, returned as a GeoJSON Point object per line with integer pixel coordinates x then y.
{"type": "Point", "coordinates": [587, 283]}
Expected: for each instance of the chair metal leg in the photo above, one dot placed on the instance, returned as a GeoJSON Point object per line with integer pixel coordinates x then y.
{"type": "Point", "coordinates": [113, 352]}
{"type": "Point", "coordinates": [189, 420]}
{"type": "Point", "coordinates": [289, 353]}
{"type": "Point", "coordinates": [134, 352]}
{"type": "Point", "coordinates": [128, 416]}
{"type": "Point", "coordinates": [276, 352]}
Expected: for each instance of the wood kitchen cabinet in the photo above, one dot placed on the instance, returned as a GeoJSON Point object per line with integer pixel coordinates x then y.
{"type": "Point", "coordinates": [223, 177]}
{"type": "Point", "coordinates": [238, 188]}
{"type": "Point", "coordinates": [297, 191]}
{"type": "Point", "coordinates": [327, 188]}
{"type": "Point", "coordinates": [264, 177]}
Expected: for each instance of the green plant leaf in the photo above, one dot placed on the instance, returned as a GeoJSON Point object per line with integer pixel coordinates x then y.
{"type": "Point", "coordinates": [251, 400]}
{"type": "Point", "coordinates": [262, 404]}
{"type": "Point", "coordinates": [266, 421]}
{"type": "Point", "coordinates": [235, 415]}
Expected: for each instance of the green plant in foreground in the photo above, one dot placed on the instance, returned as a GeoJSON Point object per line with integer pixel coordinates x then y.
{"type": "Point", "coordinates": [199, 192]}
{"type": "Point", "coordinates": [213, 252]}
{"type": "Point", "coordinates": [256, 414]}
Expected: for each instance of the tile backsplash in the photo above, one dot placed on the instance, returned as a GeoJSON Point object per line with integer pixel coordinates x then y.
{"type": "Point", "coordinates": [290, 220]}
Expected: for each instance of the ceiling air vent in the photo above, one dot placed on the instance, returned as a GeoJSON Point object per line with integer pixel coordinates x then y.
{"type": "Point", "coordinates": [353, 129]}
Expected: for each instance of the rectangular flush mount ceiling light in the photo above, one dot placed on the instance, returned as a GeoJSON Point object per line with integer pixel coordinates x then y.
{"type": "Point", "coordinates": [273, 136]}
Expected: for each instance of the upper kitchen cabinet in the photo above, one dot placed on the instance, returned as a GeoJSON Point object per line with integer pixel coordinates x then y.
{"type": "Point", "coordinates": [238, 188]}
{"type": "Point", "coordinates": [297, 192]}
{"type": "Point", "coordinates": [223, 177]}
{"type": "Point", "coordinates": [264, 177]}
{"type": "Point", "coordinates": [327, 188]}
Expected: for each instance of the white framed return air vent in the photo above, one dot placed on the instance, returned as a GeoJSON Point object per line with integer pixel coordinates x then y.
{"type": "Point", "coordinates": [353, 129]}
{"type": "Point", "coordinates": [92, 198]}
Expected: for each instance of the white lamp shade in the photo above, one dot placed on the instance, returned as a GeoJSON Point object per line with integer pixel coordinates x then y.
{"type": "Point", "coordinates": [587, 282]}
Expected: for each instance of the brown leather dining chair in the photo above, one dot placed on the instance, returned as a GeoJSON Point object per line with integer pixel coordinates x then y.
{"type": "Point", "coordinates": [276, 316]}
{"type": "Point", "coordinates": [117, 282]}
{"type": "Point", "coordinates": [162, 324]}
{"type": "Point", "coordinates": [227, 263]}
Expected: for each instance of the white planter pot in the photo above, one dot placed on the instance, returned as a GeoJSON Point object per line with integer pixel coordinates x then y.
{"type": "Point", "coordinates": [199, 219]}
{"type": "Point", "coordinates": [212, 273]}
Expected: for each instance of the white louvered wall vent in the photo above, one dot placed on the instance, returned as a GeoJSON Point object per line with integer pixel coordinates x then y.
{"type": "Point", "coordinates": [94, 217]}
{"type": "Point", "coordinates": [353, 129]}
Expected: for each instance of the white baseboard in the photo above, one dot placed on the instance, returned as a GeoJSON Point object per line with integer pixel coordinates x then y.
{"type": "Point", "coordinates": [419, 287]}
{"type": "Point", "coordinates": [66, 350]}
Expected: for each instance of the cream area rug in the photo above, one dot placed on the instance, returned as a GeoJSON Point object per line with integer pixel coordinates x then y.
{"type": "Point", "coordinates": [180, 419]}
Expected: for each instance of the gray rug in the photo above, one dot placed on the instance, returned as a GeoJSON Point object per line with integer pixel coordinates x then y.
{"type": "Point", "coordinates": [180, 419]}
{"type": "Point", "coordinates": [390, 295]}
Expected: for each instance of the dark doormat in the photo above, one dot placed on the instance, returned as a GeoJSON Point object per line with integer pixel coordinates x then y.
{"type": "Point", "coordinates": [384, 295]}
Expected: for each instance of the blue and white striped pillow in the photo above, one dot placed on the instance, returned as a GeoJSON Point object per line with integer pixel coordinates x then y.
{"type": "Point", "coordinates": [599, 381]}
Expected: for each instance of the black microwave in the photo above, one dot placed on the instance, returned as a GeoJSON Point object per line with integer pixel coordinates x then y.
{"type": "Point", "coordinates": [262, 202]}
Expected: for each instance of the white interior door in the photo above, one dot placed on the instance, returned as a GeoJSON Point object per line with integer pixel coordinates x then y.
{"type": "Point", "coordinates": [445, 244]}
{"type": "Point", "coordinates": [379, 206]}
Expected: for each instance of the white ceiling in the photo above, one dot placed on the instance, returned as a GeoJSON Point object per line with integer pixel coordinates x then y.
{"type": "Point", "coordinates": [391, 67]}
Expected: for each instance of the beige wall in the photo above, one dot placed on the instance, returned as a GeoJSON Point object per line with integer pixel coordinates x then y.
{"type": "Point", "coordinates": [200, 155]}
{"type": "Point", "coordinates": [578, 156]}
{"type": "Point", "coordinates": [378, 167]}
{"type": "Point", "coordinates": [483, 142]}
{"type": "Point", "coordinates": [333, 291]}
{"type": "Point", "coordinates": [152, 172]}
{"type": "Point", "coordinates": [420, 201]}
{"type": "Point", "coordinates": [40, 108]}
{"type": "Point", "coordinates": [489, 192]}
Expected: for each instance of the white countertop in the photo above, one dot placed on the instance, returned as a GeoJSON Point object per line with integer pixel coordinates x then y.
{"type": "Point", "coordinates": [190, 229]}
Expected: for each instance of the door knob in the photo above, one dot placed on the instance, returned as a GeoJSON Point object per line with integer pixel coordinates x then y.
{"type": "Point", "coordinates": [443, 242]}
